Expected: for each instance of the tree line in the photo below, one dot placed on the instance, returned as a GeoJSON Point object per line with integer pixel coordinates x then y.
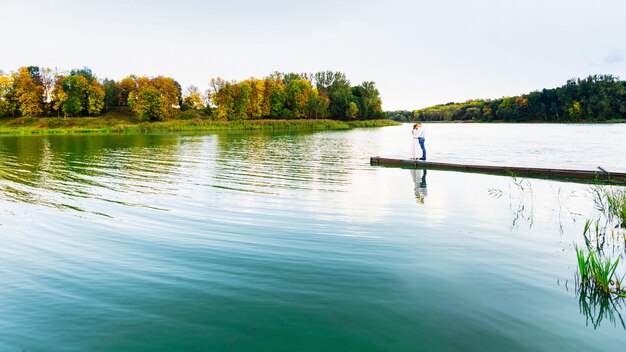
{"type": "Point", "coordinates": [40, 92]}
{"type": "Point", "coordinates": [595, 98]}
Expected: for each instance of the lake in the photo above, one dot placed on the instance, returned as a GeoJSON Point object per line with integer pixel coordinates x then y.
{"type": "Point", "coordinates": [292, 241]}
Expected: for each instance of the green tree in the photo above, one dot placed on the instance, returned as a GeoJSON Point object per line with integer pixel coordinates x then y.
{"type": "Point", "coordinates": [112, 93]}
{"type": "Point", "coordinates": [85, 72]}
{"type": "Point", "coordinates": [506, 109]}
{"type": "Point", "coordinates": [340, 94]}
{"type": "Point", "coordinates": [75, 89]}
{"type": "Point", "coordinates": [368, 100]}
{"type": "Point", "coordinates": [76, 95]}
{"type": "Point", "coordinates": [277, 100]}
{"type": "Point", "coordinates": [353, 111]}
{"type": "Point", "coordinates": [242, 101]}
{"type": "Point", "coordinates": [298, 93]}
{"type": "Point", "coordinates": [317, 106]}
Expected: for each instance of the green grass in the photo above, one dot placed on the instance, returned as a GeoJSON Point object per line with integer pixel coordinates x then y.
{"type": "Point", "coordinates": [372, 123]}
{"type": "Point", "coordinates": [123, 122]}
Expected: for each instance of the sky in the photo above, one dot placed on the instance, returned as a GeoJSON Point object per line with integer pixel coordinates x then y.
{"type": "Point", "coordinates": [419, 53]}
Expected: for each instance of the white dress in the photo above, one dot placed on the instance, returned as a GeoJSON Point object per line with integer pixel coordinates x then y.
{"type": "Point", "coordinates": [416, 151]}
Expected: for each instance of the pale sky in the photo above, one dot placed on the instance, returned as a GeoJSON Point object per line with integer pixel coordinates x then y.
{"type": "Point", "coordinates": [419, 53]}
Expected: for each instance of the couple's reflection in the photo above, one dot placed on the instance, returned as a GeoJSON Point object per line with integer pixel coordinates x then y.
{"type": "Point", "coordinates": [419, 180]}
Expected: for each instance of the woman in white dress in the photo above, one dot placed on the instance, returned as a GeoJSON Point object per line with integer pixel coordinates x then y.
{"type": "Point", "coordinates": [417, 146]}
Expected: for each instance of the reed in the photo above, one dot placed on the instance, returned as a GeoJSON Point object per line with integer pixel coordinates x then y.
{"type": "Point", "coordinates": [598, 274]}
{"type": "Point", "coordinates": [583, 266]}
{"type": "Point", "coordinates": [612, 203]}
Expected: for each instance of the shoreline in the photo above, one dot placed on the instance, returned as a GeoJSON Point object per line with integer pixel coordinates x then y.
{"type": "Point", "coordinates": [90, 125]}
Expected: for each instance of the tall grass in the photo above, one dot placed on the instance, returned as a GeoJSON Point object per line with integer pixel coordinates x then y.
{"type": "Point", "coordinates": [117, 124]}
{"type": "Point", "coordinates": [612, 203]}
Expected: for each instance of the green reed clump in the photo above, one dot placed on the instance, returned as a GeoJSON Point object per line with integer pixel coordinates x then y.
{"type": "Point", "coordinates": [598, 274]}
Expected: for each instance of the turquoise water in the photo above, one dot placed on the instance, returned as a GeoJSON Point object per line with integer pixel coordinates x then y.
{"type": "Point", "coordinates": [281, 242]}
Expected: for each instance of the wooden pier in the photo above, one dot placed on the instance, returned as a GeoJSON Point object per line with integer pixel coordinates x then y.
{"type": "Point", "coordinates": [586, 176]}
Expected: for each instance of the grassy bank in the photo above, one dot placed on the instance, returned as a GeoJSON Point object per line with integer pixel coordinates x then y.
{"type": "Point", "coordinates": [122, 123]}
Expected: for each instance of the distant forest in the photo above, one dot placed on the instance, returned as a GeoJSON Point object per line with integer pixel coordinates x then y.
{"type": "Point", "coordinates": [43, 92]}
{"type": "Point", "coordinates": [595, 98]}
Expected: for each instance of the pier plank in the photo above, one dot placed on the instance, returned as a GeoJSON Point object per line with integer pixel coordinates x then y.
{"type": "Point", "coordinates": [582, 175]}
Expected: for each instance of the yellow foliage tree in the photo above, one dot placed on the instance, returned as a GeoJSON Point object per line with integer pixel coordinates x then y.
{"type": "Point", "coordinates": [28, 94]}
{"type": "Point", "coordinates": [6, 87]}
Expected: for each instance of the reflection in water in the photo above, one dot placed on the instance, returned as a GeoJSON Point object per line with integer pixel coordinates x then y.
{"type": "Point", "coordinates": [266, 162]}
{"type": "Point", "coordinates": [520, 198]}
{"type": "Point", "coordinates": [596, 308]}
{"type": "Point", "coordinates": [56, 171]}
{"type": "Point", "coordinates": [419, 182]}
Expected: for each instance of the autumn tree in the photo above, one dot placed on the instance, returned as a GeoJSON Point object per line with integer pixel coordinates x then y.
{"type": "Point", "coordinates": [192, 99]}
{"type": "Point", "coordinates": [222, 97]}
{"type": "Point", "coordinates": [170, 90]}
{"type": "Point", "coordinates": [255, 106]}
{"type": "Point", "coordinates": [149, 104]}
{"type": "Point", "coordinates": [28, 91]}
{"type": "Point", "coordinates": [6, 92]}
{"type": "Point", "coordinates": [95, 98]}
{"type": "Point", "coordinates": [128, 85]}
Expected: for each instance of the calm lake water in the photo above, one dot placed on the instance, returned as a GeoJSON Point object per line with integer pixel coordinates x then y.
{"type": "Point", "coordinates": [293, 242]}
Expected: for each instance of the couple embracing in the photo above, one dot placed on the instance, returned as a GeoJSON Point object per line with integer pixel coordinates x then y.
{"type": "Point", "coordinates": [419, 138]}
